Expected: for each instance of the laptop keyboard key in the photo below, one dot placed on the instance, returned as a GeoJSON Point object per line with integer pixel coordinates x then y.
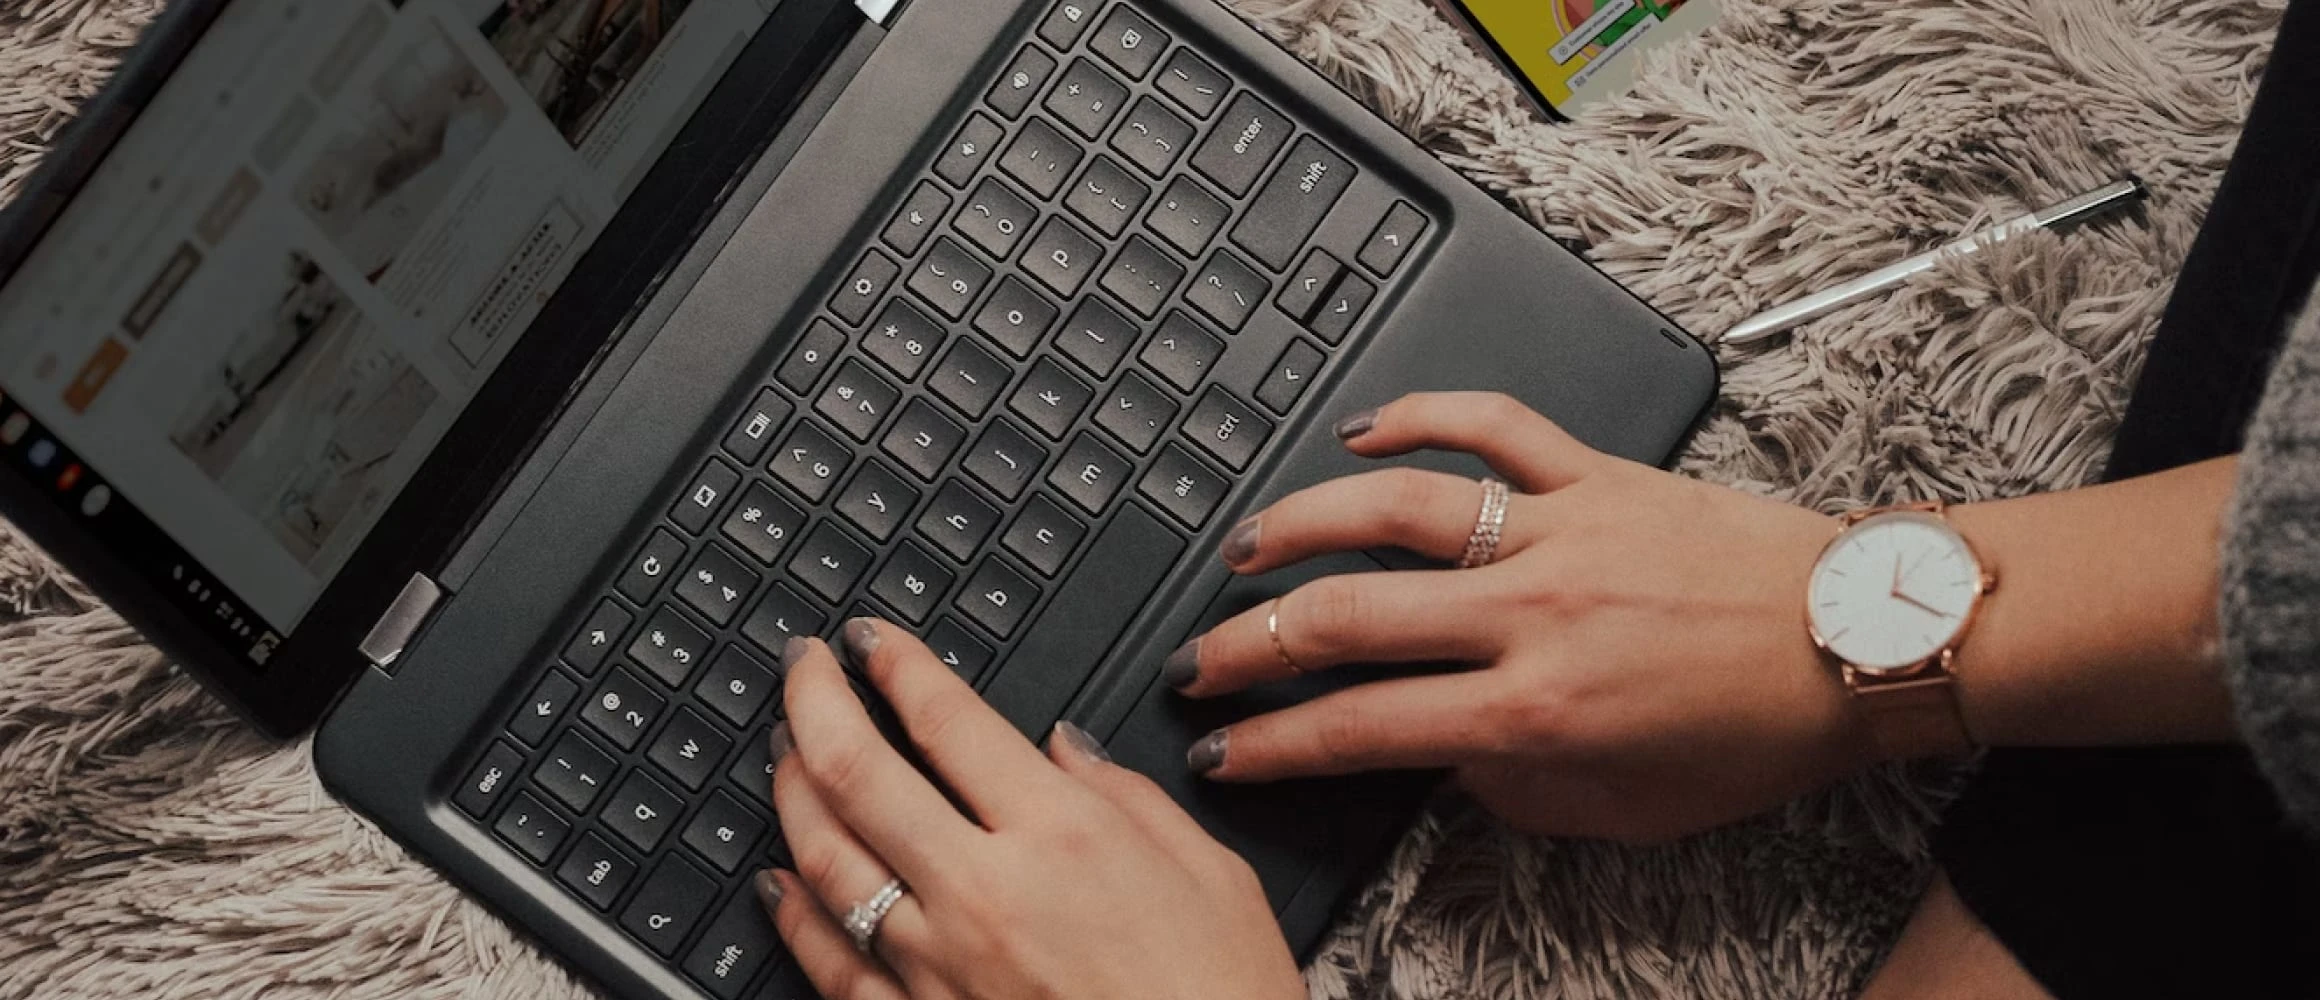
{"type": "Point", "coordinates": [1391, 240]}
{"type": "Point", "coordinates": [1191, 82]}
{"type": "Point", "coordinates": [1242, 142]}
{"type": "Point", "coordinates": [923, 440]}
{"type": "Point", "coordinates": [763, 523]}
{"type": "Point", "coordinates": [688, 748]}
{"type": "Point", "coordinates": [810, 461]}
{"type": "Point", "coordinates": [489, 780]}
{"type": "Point", "coordinates": [1229, 430]}
{"type": "Point", "coordinates": [655, 562]}
{"type": "Point", "coordinates": [698, 504]}
{"type": "Point", "coordinates": [1087, 99]}
{"type": "Point", "coordinates": [1096, 337]}
{"type": "Point", "coordinates": [877, 501]}
{"type": "Point", "coordinates": [1143, 277]}
{"type": "Point", "coordinates": [863, 288]}
{"type": "Point", "coordinates": [716, 585]}
{"type": "Point", "coordinates": [1187, 216]}
{"type": "Point", "coordinates": [857, 400]}
{"type": "Point", "coordinates": [957, 521]}
{"type": "Point", "coordinates": [811, 357]}
{"type": "Point", "coordinates": [950, 278]}
{"type": "Point", "coordinates": [736, 945]}
{"type": "Point", "coordinates": [1040, 157]}
{"type": "Point", "coordinates": [1050, 398]}
{"type": "Point", "coordinates": [917, 218]}
{"type": "Point", "coordinates": [1284, 215]}
{"type": "Point", "coordinates": [723, 832]}
{"type": "Point", "coordinates": [1060, 258]}
{"type": "Point", "coordinates": [539, 710]}
{"type": "Point", "coordinates": [1286, 383]}
{"type": "Point", "coordinates": [1227, 290]}
{"type": "Point", "coordinates": [1151, 137]}
{"type": "Point", "coordinates": [1341, 307]}
{"type": "Point", "coordinates": [641, 811]}
{"type": "Point", "coordinates": [673, 899]}
{"type": "Point", "coordinates": [1306, 287]}
{"type": "Point", "coordinates": [622, 709]}
{"type": "Point", "coordinates": [594, 641]}
{"type": "Point", "coordinates": [596, 871]}
{"type": "Point", "coordinates": [1183, 487]}
{"type": "Point", "coordinates": [1137, 412]}
{"type": "Point", "coordinates": [1017, 86]}
{"type": "Point", "coordinates": [829, 562]}
{"type": "Point", "coordinates": [1129, 42]}
{"type": "Point", "coordinates": [995, 218]}
{"type": "Point", "coordinates": [1005, 460]}
{"type": "Point", "coordinates": [1090, 473]}
{"type": "Point", "coordinates": [531, 829]}
{"type": "Point", "coordinates": [1043, 535]}
{"type": "Point", "coordinates": [736, 685]}
{"type": "Point", "coordinates": [968, 150]}
{"type": "Point", "coordinates": [997, 598]}
{"type": "Point", "coordinates": [755, 429]}
{"type": "Point", "coordinates": [1115, 580]}
{"type": "Point", "coordinates": [912, 583]}
{"type": "Point", "coordinates": [1106, 197]}
{"type": "Point", "coordinates": [1063, 25]}
{"type": "Point", "coordinates": [970, 378]}
{"type": "Point", "coordinates": [1182, 352]}
{"type": "Point", "coordinates": [669, 646]}
{"type": "Point", "coordinates": [963, 653]}
{"type": "Point", "coordinates": [902, 338]}
{"type": "Point", "coordinates": [781, 615]}
{"type": "Point", "coordinates": [574, 771]}
{"type": "Point", "coordinates": [1015, 317]}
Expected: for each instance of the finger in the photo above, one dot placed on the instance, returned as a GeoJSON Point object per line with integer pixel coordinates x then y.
{"type": "Point", "coordinates": [975, 750]}
{"type": "Point", "coordinates": [1410, 722]}
{"type": "Point", "coordinates": [824, 951]}
{"type": "Point", "coordinates": [1422, 615]}
{"type": "Point", "coordinates": [836, 865]}
{"type": "Point", "coordinates": [895, 811]}
{"type": "Point", "coordinates": [1429, 513]}
{"type": "Point", "coordinates": [1083, 758]}
{"type": "Point", "coordinates": [1530, 451]}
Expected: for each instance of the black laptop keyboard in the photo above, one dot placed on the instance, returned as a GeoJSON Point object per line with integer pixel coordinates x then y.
{"type": "Point", "coordinates": [1001, 431]}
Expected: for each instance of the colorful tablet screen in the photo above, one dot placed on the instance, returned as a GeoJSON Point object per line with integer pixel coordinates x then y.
{"type": "Point", "coordinates": [1560, 44]}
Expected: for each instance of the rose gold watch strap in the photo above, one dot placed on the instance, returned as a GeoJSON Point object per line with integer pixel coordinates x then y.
{"type": "Point", "coordinates": [1921, 719]}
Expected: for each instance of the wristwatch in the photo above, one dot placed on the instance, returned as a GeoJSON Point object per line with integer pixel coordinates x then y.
{"type": "Point", "coordinates": [1890, 599]}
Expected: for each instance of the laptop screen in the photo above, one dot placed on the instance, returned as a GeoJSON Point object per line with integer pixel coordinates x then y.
{"type": "Point", "coordinates": [230, 352]}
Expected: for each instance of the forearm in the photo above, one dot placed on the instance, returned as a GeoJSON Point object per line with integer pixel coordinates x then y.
{"type": "Point", "coordinates": [2102, 629]}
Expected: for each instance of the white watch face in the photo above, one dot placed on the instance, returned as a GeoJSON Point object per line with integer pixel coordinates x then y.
{"type": "Point", "coordinates": [1893, 591]}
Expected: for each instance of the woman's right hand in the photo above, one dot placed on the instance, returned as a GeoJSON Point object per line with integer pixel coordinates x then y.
{"type": "Point", "coordinates": [1641, 668]}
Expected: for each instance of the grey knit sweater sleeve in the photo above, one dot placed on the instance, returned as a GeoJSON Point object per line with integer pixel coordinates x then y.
{"type": "Point", "coordinates": [2270, 614]}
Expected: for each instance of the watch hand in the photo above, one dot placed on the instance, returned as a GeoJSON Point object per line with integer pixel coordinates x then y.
{"type": "Point", "coordinates": [1896, 592]}
{"type": "Point", "coordinates": [1921, 605]}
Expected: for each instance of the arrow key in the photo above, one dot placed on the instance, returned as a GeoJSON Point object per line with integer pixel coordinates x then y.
{"type": "Point", "coordinates": [1306, 287]}
{"type": "Point", "coordinates": [1289, 377]}
{"type": "Point", "coordinates": [1391, 241]}
{"type": "Point", "coordinates": [1341, 307]}
{"type": "Point", "coordinates": [538, 712]}
{"type": "Point", "coordinates": [596, 637]}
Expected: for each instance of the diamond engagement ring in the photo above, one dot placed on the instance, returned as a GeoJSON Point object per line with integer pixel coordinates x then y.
{"type": "Point", "coordinates": [1482, 545]}
{"type": "Point", "coordinates": [862, 921]}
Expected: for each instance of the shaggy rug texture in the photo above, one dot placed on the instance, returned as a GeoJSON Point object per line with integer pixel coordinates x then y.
{"type": "Point", "coordinates": [149, 846]}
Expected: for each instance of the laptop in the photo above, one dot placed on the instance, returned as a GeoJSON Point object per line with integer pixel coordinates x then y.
{"type": "Point", "coordinates": [492, 386]}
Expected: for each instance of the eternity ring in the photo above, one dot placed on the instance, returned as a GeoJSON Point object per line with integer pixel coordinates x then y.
{"type": "Point", "coordinates": [1482, 545]}
{"type": "Point", "coordinates": [862, 921]}
{"type": "Point", "coordinates": [1280, 649]}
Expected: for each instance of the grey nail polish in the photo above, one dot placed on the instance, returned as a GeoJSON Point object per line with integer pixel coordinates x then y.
{"type": "Point", "coordinates": [1356, 425]}
{"type": "Point", "coordinates": [781, 743]}
{"type": "Point", "coordinates": [1208, 754]}
{"type": "Point", "coordinates": [793, 651]}
{"type": "Point", "coordinates": [861, 637]}
{"type": "Point", "coordinates": [1241, 543]}
{"type": "Point", "coordinates": [1082, 741]}
{"type": "Point", "coordinates": [1182, 666]}
{"type": "Point", "coordinates": [768, 890]}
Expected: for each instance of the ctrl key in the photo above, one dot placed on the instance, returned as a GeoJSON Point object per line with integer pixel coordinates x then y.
{"type": "Point", "coordinates": [737, 945]}
{"type": "Point", "coordinates": [488, 783]}
{"type": "Point", "coordinates": [531, 829]}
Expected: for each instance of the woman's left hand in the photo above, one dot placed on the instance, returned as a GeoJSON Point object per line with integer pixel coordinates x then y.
{"type": "Point", "coordinates": [1066, 876]}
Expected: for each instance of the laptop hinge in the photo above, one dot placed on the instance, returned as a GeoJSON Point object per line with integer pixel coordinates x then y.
{"type": "Point", "coordinates": [878, 11]}
{"type": "Point", "coordinates": [401, 621]}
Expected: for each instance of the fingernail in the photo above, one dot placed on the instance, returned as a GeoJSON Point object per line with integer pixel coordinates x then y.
{"type": "Point", "coordinates": [781, 741]}
{"type": "Point", "coordinates": [793, 651]}
{"type": "Point", "coordinates": [1182, 666]}
{"type": "Point", "coordinates": [1082, 741]}
{"type": "Point", "coordinates": [1356, 425]}
{"type": "Point", "coordinates": [1241, 543]}
{"type": "Point", "coordinates": [861, 636]}
{"type": "Point", "coordinates": [1208, 754]}
{"type": "Point", "coordinates": [768, 890]}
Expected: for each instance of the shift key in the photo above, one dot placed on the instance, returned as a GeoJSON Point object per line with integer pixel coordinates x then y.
{"type": "Point", "coordinates": [1091, 609]}
{"type": "Point", "coordinates": [1293, 203]}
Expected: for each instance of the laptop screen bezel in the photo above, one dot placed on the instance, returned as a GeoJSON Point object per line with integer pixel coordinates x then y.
{"type": "Point", "coordinates": [436, 509]}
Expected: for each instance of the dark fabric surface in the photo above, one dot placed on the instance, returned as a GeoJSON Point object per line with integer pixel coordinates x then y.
{"type": "Point", "coordinates": [2169, 871]}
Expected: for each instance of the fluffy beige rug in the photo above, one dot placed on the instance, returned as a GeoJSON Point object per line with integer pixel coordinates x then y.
{"type": "Point", "coordinates": [149, 847]}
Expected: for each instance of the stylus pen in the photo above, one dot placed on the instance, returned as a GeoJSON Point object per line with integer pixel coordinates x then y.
{"type": "Point", "coordinates": [2092, 203]}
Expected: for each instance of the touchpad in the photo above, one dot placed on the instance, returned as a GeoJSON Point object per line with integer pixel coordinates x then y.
{"type": "Point", "coordinates": [1286, 830]}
